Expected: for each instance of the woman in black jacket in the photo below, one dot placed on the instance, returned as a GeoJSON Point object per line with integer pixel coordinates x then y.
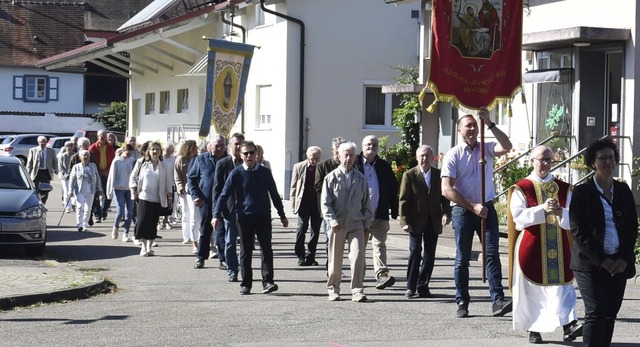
{"type": "Point", "coordinates": [605, 227]}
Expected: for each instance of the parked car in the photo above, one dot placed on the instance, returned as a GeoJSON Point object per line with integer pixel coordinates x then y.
{"type": "Point", "coordinates": [58, 142]}
{"type": "Point", "coordinates": [93, 135]}
{"type": "Point", "coordinates": [18, 145]}
{"type": "Point", "coordinates": [23, 217]}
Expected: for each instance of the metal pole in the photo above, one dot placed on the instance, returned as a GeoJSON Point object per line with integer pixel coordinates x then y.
{"type": "Point", "coordinates": [483, 221]}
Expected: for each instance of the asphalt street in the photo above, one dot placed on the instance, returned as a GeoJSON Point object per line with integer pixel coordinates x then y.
{"type": "Point", "coordinates": [163, 301]}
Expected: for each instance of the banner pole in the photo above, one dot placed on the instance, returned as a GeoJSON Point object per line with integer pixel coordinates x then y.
{"type": "Point", "coordinates": [483, 221]}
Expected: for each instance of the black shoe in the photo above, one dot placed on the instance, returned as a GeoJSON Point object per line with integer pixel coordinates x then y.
{"type": "Point", "coordinates": [233, 277]}
{"type": "Point", "coordinates": [463, 310]}
{"type": "Point", "coordinates": [91, 221]}
{"type": "Point", "coordinates": [535, 337]}
{"type": "Point", "coordinates": [425, 293]}
{"type": "Point", "coordinates": [501, 307]}
{"type": "Point", "coordinates": [80, 229]}
{"type": "Point", "coordinates": [385, 281]}
{"type": "Point", "coordinates": [571, 331]}
{"type": "Point", "coordinates": [158, 237]}
{"type": "Point", "coordinates": [310, 260]}
{"type": "Point", "coordinates": [199, 264]}
{"type": "Point", "coordinates": [302, 262]}
{"type": "Point", "coordinates": [223, 265]}
{"type": "Point", "coordinates": [269, 288]}
{"type": "Point", "coordinates": [410, 294]}
{"type": "Point", "coordinates": [245, 290]}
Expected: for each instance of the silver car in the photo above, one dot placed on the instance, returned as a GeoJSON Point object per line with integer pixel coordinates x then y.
{"type": "Point", "coordinates": [23, 217]}
{"type": "Point", "coordinates": [19, 145]}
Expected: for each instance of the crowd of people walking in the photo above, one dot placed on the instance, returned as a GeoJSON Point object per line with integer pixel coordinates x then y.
{"type": "Point", "coordinates": [225, 193]}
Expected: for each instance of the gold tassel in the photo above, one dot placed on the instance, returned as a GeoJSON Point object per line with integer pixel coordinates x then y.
{"type": "Point", "coordinates": [510, 112]}
{"type": "Point", "coordinates": [432, 107]}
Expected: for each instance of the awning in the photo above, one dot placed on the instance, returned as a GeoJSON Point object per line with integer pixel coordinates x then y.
{"type": "Point", "coordinates": [548, 76]}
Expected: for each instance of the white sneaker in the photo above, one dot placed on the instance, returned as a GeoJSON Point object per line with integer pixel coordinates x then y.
{"type": "Point", "coordinates": [213, 255]}
{"type": "Point", "coordinates": [125, 237]}
{"type": "Point", "coordinates": [143, 252]}
{"type": "Point", "coordinates": [154, 244]}
{"type": "Point", "coordinates": [194, 250]}
{"type": "Point", "coordinates": [151, 253]}
{"type": "Point", "coordinates": [114, 233]}
{"type": "Point", "coordinates": [186, 242]}
{"type": "Point", "coordinates": [137, 242]}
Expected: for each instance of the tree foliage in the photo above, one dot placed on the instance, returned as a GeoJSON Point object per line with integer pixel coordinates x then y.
{"type": "Point", "coordinates": [401, 156]}
{"type": "Point", "coordinates": [114, 117]}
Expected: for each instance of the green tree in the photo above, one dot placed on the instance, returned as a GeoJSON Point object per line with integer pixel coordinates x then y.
{"type": "Point", "coordinates": [114, 117]}
{"type": "Point", "coordinates": [401, 156]}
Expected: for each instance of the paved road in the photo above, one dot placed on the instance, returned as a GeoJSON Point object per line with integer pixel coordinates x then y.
{"type": "Point", "coordinates": [163, 301]}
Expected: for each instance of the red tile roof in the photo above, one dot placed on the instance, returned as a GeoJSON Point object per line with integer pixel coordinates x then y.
{"type": "Point", "coordinates": [30, 30]}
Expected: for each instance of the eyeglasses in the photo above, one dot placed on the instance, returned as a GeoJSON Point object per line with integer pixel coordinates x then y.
{"type": "Point", "coordinates": [544, 160]}
{"type": "Point", "coordinates": [605, 159]}
{"type": "Point", "coordinates": [246, 154]}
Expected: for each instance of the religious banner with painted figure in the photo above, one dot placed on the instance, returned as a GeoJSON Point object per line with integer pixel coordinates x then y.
{"type": "Point", "coordinates": [476, 52]}
{"type": "Point", "coordinates": [227, 72]}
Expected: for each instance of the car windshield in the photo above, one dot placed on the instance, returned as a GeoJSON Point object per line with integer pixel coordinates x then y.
{"type": "Point", "coordinates": [13, 177]}
{"type": "Point", "coordinates": [7, 140]}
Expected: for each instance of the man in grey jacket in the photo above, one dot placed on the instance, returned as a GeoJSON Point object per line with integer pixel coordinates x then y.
{"type": "Point", "coordinates": [347, 210]}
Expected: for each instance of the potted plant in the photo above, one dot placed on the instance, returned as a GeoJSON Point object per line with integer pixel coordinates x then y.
{"type": "Point", "coordinates": [578, 168]}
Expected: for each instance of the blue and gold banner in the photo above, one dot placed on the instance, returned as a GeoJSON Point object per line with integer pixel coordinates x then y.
{"type": "Point", "coordinates": [227, 72]}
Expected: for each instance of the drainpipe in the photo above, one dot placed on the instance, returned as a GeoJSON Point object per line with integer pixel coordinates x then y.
{"type": "Point", "coordinates": [244, 40]}
{"type": "Point", "coordinates": [301, 125]}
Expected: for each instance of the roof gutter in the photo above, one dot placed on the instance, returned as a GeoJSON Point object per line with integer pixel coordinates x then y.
{"type": "Point", "coordinates": [301, 149]}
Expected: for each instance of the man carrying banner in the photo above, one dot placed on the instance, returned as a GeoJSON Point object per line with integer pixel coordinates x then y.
{"type": "Point", "coordinates": [539, 252]}
{"type": "Point", "coordinates": [460, 177]}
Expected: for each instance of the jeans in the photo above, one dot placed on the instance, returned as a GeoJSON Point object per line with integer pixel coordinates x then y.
{"type": "Point", "coordinates": [250, 228]}
{"type": "Point", "coordinates": [124, 208]}
{"type": "Point", "coordinates": [465, 225]}
{"type": "Point", "coordinates": [306, 213]}
{"type": "Point", "coordinates": [602, 295]}
{"type": "Point", "coordinates": [230, 248]}
{"type": "Point", "coordinates": [102, 204]}
{"type": "Point", "coordinates": [421, 261]}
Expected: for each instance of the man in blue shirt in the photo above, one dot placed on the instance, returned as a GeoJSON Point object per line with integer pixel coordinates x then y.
{"type": "Point", "coordinates": [252, 185]}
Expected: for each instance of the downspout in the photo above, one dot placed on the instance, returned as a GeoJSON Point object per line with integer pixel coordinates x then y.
{"type": "Point", "coordinates": [301, 125]}
{"type": "Point", "coordinates": [244, 40]}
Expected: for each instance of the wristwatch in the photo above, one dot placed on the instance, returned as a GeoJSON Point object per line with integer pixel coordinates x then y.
{"type": "Point", "coordinates": [491, 126]}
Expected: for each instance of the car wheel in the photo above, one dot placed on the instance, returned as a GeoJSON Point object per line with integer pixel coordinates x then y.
{"type": "Point", "coordinates": [35, 251]}
{"type": "Point", "coordinates": [23, 160]}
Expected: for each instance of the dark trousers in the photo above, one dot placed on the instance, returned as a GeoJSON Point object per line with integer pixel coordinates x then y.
{"type": "Point", "coordinates": [206, 229]}
{"type": "Point", "coordinates": [219, 241]}
{"type": "Point", "coordinates": [44, 177]}
{"type": "Point", "coordinates": [602, 295]}
{"type": "Point", "coordinates": [250, 228]}
{"type": "Point", "coordinates": [100, 203]}
{"type": "Point", "coordinates": [306, 213]}
{"type": "Point", "coordinates": [421, 260]}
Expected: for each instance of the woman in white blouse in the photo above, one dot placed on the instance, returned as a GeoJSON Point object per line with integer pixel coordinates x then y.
{"type": "Point", "coordinates": [151, 185]}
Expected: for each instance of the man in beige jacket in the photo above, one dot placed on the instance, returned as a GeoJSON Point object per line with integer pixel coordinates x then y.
{"type": "Point", "coordinates": [347, 211]}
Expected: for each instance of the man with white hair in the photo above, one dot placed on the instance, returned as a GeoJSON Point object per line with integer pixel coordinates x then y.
{"type": "Point", "coordinates": [305, 203]}
{"type": "Point", "coordinates": [42, 164]}
{"type": "Point", "coordinates": [347, 211]}
{"type": "Point", "coordinates": [383, 195]}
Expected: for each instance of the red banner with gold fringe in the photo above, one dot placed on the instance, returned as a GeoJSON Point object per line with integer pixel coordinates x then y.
{"type": "Point", "coordinates": [476, 52]}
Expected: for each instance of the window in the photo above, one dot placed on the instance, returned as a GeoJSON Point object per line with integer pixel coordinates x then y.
{"type": "Point", "coordinates": [35, 88]}
{"type": "Point", "coordinates": [150, 103]}
{"type": "Point", "coordinates": [378, 107]}
{"type": "Point", "coordinates": [164, 102]}
{"type": "Point", "coordinates": [259, 16]}
{"type": "Point", "coordinates": [264, 106]}
{"type": "Point", "coordinates": [183, 101]}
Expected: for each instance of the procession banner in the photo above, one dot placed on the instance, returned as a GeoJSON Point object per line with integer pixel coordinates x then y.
{"type": "Point", "coordinates": [476, 52]}
{"type": "Point", "coordinates": [227, 71]}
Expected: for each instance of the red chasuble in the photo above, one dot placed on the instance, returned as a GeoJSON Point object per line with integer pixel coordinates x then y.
{"type": "Point", "coordinates": [545, 250]}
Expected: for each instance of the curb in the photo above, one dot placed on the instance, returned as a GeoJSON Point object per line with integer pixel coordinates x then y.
{"type": "Point", "coordinates": [81, 292]}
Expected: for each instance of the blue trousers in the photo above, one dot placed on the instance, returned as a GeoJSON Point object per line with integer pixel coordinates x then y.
{"type": "Point", "coordinates": [465, 225]}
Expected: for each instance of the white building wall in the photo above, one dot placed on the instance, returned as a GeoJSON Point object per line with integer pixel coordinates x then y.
{"type": "Point", "coordinates": [70, 92]}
